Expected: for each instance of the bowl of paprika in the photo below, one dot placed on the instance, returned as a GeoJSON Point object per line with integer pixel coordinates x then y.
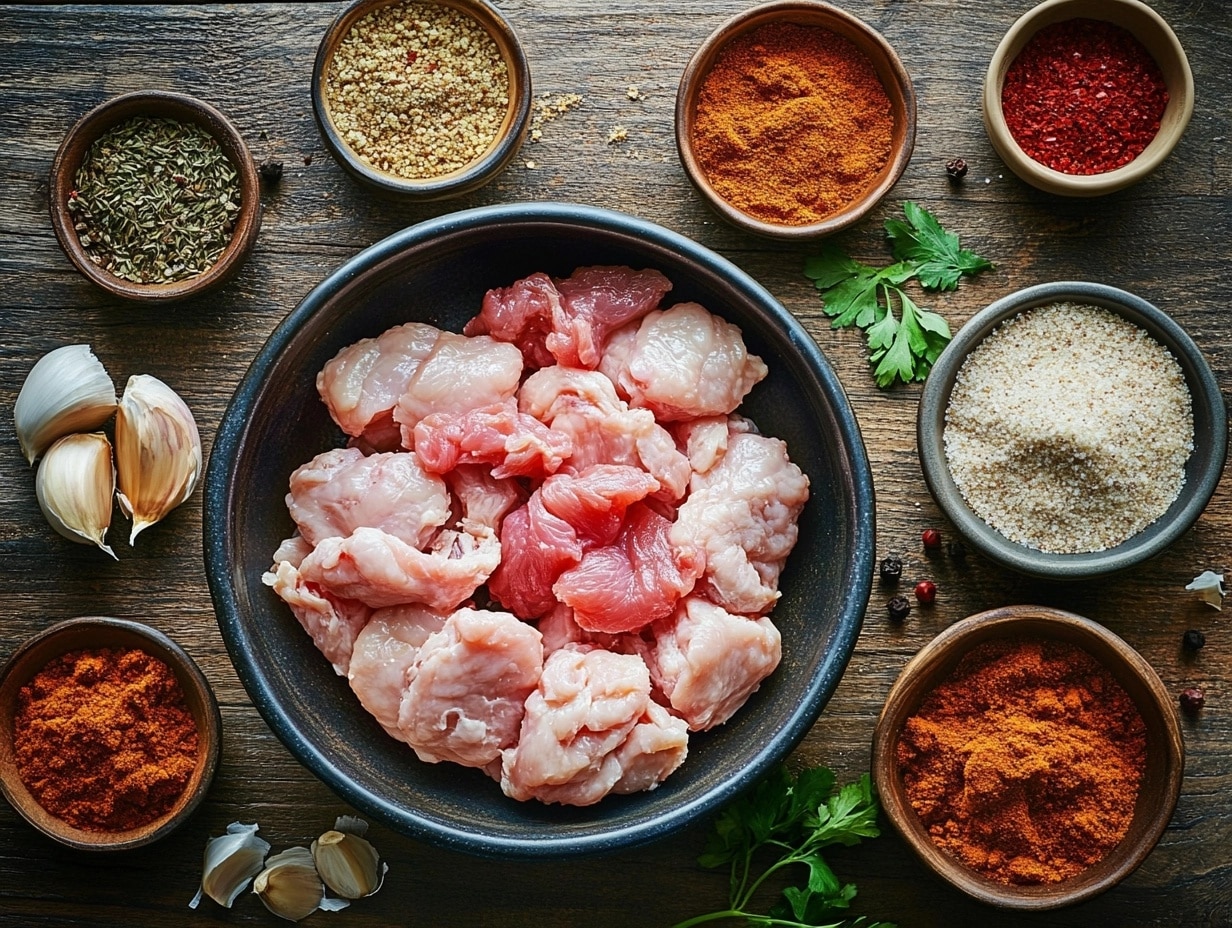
{"type": "Point", "coordinates": [109, 733]}
{"type": "Point", "coordinates": [794, 119]}
{"type": "Point", "coordinates": [1086, 97]}
{"type": "Point", "coordinates": [1029, 756]}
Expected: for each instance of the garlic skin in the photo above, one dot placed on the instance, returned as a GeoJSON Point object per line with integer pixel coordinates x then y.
{"type": "Point", "coordinates": [231, 860]}
{"type": "Point", "coordinates": [1209, 587]}
{"type": "Point", "coordinates": [290, 887]}
{"type": "Point", "coordinates": [74, 484]}
{"type": "Point", "coordinates": [68, 390]}
{"type": "Point", "coordinates": [158, 451]}
{"type": "Point", "coordinates": [347, 862]}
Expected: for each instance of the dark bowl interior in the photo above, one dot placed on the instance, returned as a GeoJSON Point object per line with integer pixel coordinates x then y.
{"type": "Point", "coordinates": [438, 272]}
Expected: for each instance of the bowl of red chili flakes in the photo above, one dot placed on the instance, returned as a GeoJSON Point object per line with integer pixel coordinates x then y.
{"type": "Point", "coordinates": [110, 734]}
{"type": "Point", "coordinates": [1086, 97]}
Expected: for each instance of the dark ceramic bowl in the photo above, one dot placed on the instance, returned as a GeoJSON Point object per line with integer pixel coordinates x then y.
{"type": "Point", "coordinates": [1202, 470]}
{"type": "Point", "coordinates": [166, 105]}
{"type": "Point", "coordinates": [100, 632]}
{"type": "Point", "coordinates": [437, 272]}
{"type": "Point", "coordinates": [1161, 781]}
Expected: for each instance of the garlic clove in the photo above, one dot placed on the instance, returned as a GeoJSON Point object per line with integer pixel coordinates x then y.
{"type": "Point", "coordinates": [74, 485]}
{"type": "Point", "coordinates": [347, 862]}
{"type": "Point", "coordinates": [290, 886]}
{"type": "Point", "coordinates": [231, 860]}
{"type": "Point", "coordinates": [68, 390]}
{"type": "Point", "coordinates": [158, 451]}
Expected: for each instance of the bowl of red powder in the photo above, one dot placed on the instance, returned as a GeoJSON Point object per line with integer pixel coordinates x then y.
{"type": "Point", "coordinates": [1086, 97]}
{"type": "Point", "coordinates": [109, 733]}
{"type": "Point", "coordinates": [794, 119]}
{"type": "Point", "coordinates": [1029, 756]}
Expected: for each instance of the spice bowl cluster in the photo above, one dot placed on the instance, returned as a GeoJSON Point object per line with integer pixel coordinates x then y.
{"type": "Point", "coordinates": [1029, 756]}
{"type": "Point", "coordinates": [109, 733]}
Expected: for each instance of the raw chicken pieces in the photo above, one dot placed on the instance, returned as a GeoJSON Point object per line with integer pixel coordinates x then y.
{"type": "Point", "coordinates": [574, 459]}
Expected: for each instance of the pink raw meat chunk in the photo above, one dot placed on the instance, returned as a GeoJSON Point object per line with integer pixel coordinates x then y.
{"type": "Point", "coordinates": [481, 501]}
{"type": "Point", "coordinates": [378, 569]}
{"type": "Point", "coordinates": [333, 621]}
{"type": "Point", "coordinates": [382, 656]}
{"type": "Point", "coordinates": [458, 374]}
{"type": "Point", "coordinates": [682, 364]}
{"type": "Point", "coordinates": [563, 518]}
{"type": "Point", "coordinates": [632, 582]}
{"type": "Point", "coordinates": [585, 706]}
{"type": "Point", "coordinates": [362, 383]}
{"type": "Point", "coordinates": [707, 662]}
{"type": "Point", "coordinates": [656, 746]}
{"type": "Point", "coordinates": [568, 320]}
{"type": "Point", "coordinates": [341, 490]}
{"type": "Point", "coordinates": [467, 687]}
{"type": "Point", "coordinates": [512, 443]}
{"type": "Point", "coordinates": [742, 515]}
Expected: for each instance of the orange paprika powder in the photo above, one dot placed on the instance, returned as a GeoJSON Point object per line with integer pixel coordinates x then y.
{"type": "Point", "coordinates": [1025, 763]}
{"type": "Point", "coordinates": [792, 123]}
{"type": "Point", "coordinates": [103, 738]}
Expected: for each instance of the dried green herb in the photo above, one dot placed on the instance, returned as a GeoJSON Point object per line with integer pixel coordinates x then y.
{"type": "Point", "coordinates": [155, 200]}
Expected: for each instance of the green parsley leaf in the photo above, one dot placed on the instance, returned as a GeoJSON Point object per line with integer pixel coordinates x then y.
{"type": "Point", "coordinates": [939, 261]}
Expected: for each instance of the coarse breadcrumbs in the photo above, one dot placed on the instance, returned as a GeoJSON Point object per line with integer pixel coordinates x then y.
{"type": "Point", "coordinates": [1068, 429]}
{"type": "Point", "coordinates": [418, 89]}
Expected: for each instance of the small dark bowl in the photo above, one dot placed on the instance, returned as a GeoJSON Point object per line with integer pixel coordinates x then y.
{"type": "Point", "coordinates": [456, 183]}
{"type": "Point", "coordinates": [157, 104]}
{"type": "Point", "coordinates": [889, 68]}
{"type": "Point", "coordinates": [276, 422]}
{"type": "Point", "coordinates": [1161, 782]}
{"type": "Point", "coordinates": [1202, 470]}
{"type": "Point", "coordinates": [100, 632]}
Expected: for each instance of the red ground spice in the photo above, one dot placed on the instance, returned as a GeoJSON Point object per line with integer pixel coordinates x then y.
{"type": "Point", "coordinates": [1083, 97]}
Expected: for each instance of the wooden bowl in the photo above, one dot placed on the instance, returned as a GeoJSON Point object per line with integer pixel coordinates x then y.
{"type": "Point", "coordinates": [1203, 469]}
{"type": "Point", "coordinates": [890, 70]}
{"type": "Point", "coordinates": [100, 632]}
{"type": "Point", "coordinates": [1165, 757]}
{"type": "Point", "coordinates": [182, 108]}
{"type": "Point", "coordinates": [455, 183]}
{"type": "Point", "coordinates": [1153, 32]}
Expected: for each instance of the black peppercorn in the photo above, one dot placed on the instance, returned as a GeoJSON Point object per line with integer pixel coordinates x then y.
{"type": "Point", "coordinates": [891, 569]}
{"type": "Point", "coordinates": [956, 168]}
{"type": "Point", "coordinates": [271, 171]}
{"type": "Point", "coordinates": [1193, 639]}
{"type": "Point", "coordinates": [899, 608]}
{"type": "Point", "coordinates": [1192, 699]}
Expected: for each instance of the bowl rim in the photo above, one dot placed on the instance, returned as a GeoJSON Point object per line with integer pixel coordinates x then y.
{"type": "Point", "coordinates": [467, 178]}
{"type": "Point", "coordinates": [937, 658]}
{"type": "Point", "coordinates": [1205, 396]}
{"type": "Point", "coordinates": [896, 79]}
{"type": "Point", "coordinates": [173, 104]}
{"type": "Point", "coordinates": [1176, 115]}
{"type": "Point", "coordinates": [219, 493]}
{"type": "Point", "coordinates": [114, 632]}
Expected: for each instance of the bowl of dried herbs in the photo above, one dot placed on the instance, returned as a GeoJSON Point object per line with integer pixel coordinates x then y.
{"type": "Point", "coordinates": [154, 196]}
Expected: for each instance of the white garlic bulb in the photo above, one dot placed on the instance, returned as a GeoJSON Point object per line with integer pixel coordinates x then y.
{"type": "Point", "coordinates": [158, 451]}
{"type": "Point", "coordinates": [74, 485]}
{"type": "Point", "coordinates": [231, 860]}
{"type": "Point", "coordinates": [68, 390]}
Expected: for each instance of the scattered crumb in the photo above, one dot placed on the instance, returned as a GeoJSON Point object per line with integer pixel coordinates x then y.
{"type": "Point", "coordinates": [531, 165]}
{"type": "Point", "coordinates": [633, 93]}
{"type": "Point", "coordinates": [549, 106]}
{"type": "Point", "coordinates": [618, 134]}
{"type": "Point", "coordinates": [536, 134]}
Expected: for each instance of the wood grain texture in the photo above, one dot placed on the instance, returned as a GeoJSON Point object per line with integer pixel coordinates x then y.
{"type": "Point", "coordinates": [1166, 239]}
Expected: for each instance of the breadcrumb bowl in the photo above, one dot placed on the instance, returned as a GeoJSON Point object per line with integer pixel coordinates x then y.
{"type": "Point", "coordinates": [93, 632]}
{"type": "Point", "coordinates": [1161, 782]}
{"type": "Point", "coordinates": [437, 272]}
{"type": "Point", "coordinates": [1202, 469]}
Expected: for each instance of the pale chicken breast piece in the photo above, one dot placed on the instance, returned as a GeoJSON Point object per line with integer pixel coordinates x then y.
{"type": "Point", "coordinates": [341, 490]}
{"type": "Point", "coordinates": [682, 363]}
{"type": "Point", "coordinates": [481, 501]}
{"type": "Point", "coordinates": [741, 514]}
{"type": "Point", "coordinates": [657, 745]}
{"type": "Point", "coordinates": [707, 661]}
{"type": "Point", "coordinates": [457, 375]}
{"type": "Point", "coordinates": [467, 687]}
{"type": "Point", "coordinates": [361, 384]}
{"type": "Point", "coordinates": [332, 621]}
{"type": "Point", "coordinates": [382, 656]}
{"type": "Point", "coordinates": [583, 709]}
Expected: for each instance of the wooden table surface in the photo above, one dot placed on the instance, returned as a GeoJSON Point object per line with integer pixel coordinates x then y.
{"type": "Point", "coordinates": [1168, 239]}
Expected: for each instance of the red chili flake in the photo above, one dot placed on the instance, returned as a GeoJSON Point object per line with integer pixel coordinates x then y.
{"type": "Point", "coordinates": [410, 57]}
{"type": "Point", "coordinates": [72, 194]}
{"type": "Point", "coordinates": [431, 66]}
{"type": "Point", "coordinates": [1084, 97]}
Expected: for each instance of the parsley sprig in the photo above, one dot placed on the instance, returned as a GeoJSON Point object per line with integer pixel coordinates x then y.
{"type": "Point", "coordinates": [793, 817]}
{"type": "Point", "coordinates": [903, 346]}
